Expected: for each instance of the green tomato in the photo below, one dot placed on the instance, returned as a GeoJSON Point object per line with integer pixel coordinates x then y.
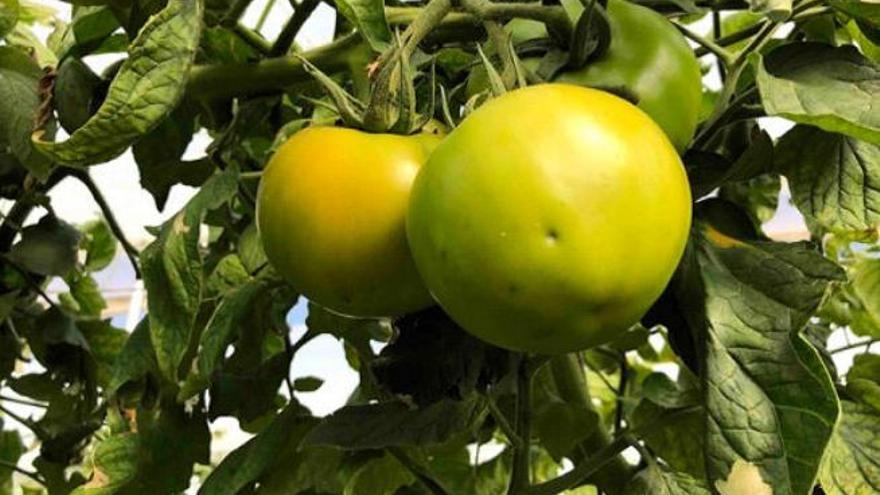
{"type": "Point", "coordinates": [331, 210]}
{"type": "Point", "coordinates": [551, 219]}
{"type": "Point", "coordinates": [652, 61]}
{"type": "Point", "coordinates": [647, 59]}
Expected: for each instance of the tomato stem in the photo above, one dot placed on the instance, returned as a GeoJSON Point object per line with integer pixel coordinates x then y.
{"type": "Point", "coordinates": [612, 474]}
{"type": "Point", "coordinates": [520, 474]}
{"type": "Point", "coordinates": [723, 55]}
{"type": "Point", "coordinates": [300, 15]}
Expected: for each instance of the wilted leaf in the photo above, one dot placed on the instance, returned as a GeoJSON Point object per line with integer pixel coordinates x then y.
{"type": "Point", "coordinates": [19, 104]}
{"type": "Point", "coordinates": [148, 86]}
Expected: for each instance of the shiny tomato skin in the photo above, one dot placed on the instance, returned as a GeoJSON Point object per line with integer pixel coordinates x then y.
{"type": "Point", "coordinates": [551, 219]}
{"type": "Point", "coordinates": [331, 214]}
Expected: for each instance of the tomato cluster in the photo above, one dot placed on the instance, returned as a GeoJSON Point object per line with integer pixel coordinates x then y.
{"type": "Point", "coordinates": [548, 221]}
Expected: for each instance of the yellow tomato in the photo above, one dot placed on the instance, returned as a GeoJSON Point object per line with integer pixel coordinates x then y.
{"type": "Point", "coordinates": [551, 219]}
{"type": "Point", "coordinates": [331, 210]}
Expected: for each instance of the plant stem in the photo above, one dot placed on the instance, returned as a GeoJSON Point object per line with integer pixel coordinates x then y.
{"type": "Point", "coordinates": [132, 252]}
{"type": "Point", "coordinates": [571, 383]}
{"type": "Point", "coordinates": [420, 472]}
{"type": "Point", "coordinates": [34, 476]}
{"type": "Point", "coordinates": [732, 38]}
{"type": "Point", "coordinates": [235, 12]}
{"type": "Point", "coordinates": [300, 15]}
{"type": "Point", "coordinates": [716, 34]}
{"type": "Point", "coordinates": [519, 476]}
{"type": "Point", "coordinates": [554, 17]}
{"type": "Point", "coordinates": [503, 423]}
{"type": "Point", "coordinates": [264, 15]}
{"type": "Point", "coordinates": [724, 57]}
{"type": "Point", "coordinates": [25, 274]}
{"type": "Point", "coordinates": [22, 402]}
{"type": "Point", "coordinates": [621, 387]}
{"type": "Point", "coordinates": [252, 38]}
{"type": "Point", "coordinates": [24, 421]}
{"type": "Point", "coordinates": [716, 123]}
{"type": "Point", "coordinates": [274, 74]}
{"type": "Point", "coordinates": [585, 469]}
{"type": "Point", "coordinates": [855, 345]}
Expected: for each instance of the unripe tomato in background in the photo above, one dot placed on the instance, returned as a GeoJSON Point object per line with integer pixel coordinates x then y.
{"type": "Point", "coordinates": [331, 210]}
{"type": "Point", "coordinates": [551, 219]}
{"type": "Point", "coordinates": [648, 60]}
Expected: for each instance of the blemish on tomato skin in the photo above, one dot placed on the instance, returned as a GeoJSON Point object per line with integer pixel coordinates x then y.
{"type": "Point", "coordinates": [552, 236]}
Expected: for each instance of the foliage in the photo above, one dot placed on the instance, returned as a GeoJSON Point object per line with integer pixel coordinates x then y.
{"type": "Point", "coordinates": [756, 403]}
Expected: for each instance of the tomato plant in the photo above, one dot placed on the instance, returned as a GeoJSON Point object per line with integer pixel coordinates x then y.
{"type": "Point", "coordinates": [617, 310]}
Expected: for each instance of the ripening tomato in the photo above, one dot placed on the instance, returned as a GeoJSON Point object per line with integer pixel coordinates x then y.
{"type": "Point", "coordinates": [331, 213]}
{"type": "Point", "coordinates": [551, 219]}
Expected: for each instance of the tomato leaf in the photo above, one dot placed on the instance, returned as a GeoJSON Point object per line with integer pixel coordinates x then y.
{"type": "Point", "coordinates": [11, 449]}
{"type": "Point", "coordinates": [381, 476]}
{"type": "Point", "coordinates": [834, 179]}
{"type": "Point", "coordinates": [47, 248]}
{"type": "Point", "coordinates": [769, 399]}
{"type": "Point", "coordinates": [249, 462]}
{"type": "Point", "coordinates": [135, 359]}
{"type": "Point", "coordinates": [148, 86]}
{"type": "Point", "coordinates": [369, 18]}
{"type": "Point", "coordinates": [850, 464]}
{"type": "Point", "coordinates": [9, 13]}
{"type": "Point", "coordinates": [389, 424]}
{"type": "Point", "coordinates": [172, 269]}
{"type": "Point", "coordinates": [656, 480]}
{"type": "Point", "coordinates": [820, 85]}
{"type": "Point", "coordinates": [19, 105]}
{"type": "Point", "coordinates": [114, 464]}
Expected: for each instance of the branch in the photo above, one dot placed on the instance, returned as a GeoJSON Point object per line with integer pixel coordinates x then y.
{"type": "Point", "coordinates": [274, 74]}
{"type": "Point", "coordinates": [593, 464]}
{"type": "Point", "coordinates": [34, 476]}
{"type": "Point", "coordinates": [28, 280]}
{"type": "Point", "coordinates": [20, 419]}
{"type": "Point", "coordinates": [732, 38]}
{"type": "Point", "coordinates": [570, 380]}
{"type": "Point", "coordinates": [22, 402]}
{"type": "Point", "coordinates": [505, 426]}
{"type": "Point", "coordinates": [856, 345]}
{"type": "Point", "coordinates": [300, 15]}
{"type": "Point", "coordinates": [519, 476]}
{"type": "Point", "coordinates": [585, 469]}
{"type": "Point", "coordinates": [723, 55]}
{"type": "Point", "coordinates": [132, 252]}
{"type": "Point", "coordinates": [252, 38]}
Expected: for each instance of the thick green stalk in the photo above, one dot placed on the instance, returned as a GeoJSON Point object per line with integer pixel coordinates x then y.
{"type": "Point", "coordinates": [227, 80]}
{"type": "Point", "coordinates": [520, 479]}
{"type": "Point", "coordinates": [571, 383]}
